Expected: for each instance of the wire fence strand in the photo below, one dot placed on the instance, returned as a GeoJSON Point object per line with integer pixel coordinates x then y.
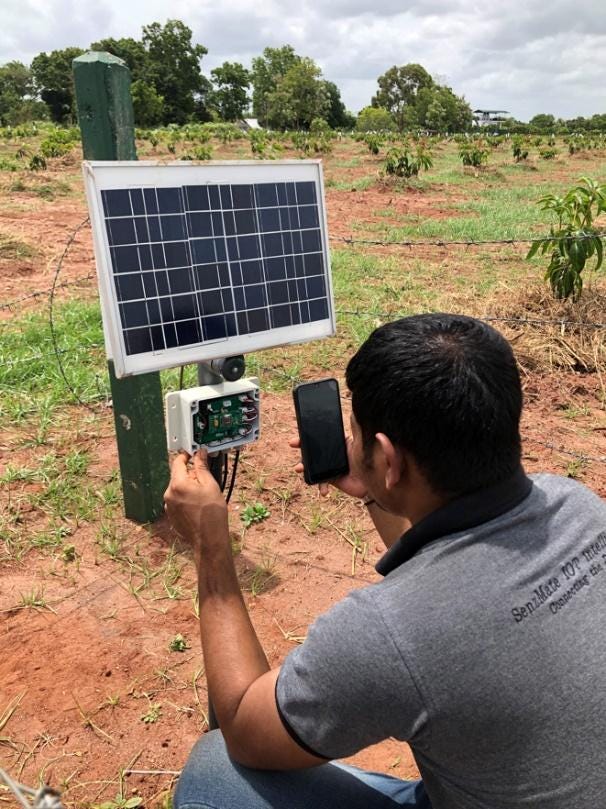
{"type": "Point", "coordinates": [350, 240]}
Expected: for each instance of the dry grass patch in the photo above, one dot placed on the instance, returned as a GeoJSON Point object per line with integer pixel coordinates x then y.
{"type": "Point", "coordinates": [552, 334]}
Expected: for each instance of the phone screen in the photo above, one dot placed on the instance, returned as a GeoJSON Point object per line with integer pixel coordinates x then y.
{"type": "Point", "coordinates": [320, 421]}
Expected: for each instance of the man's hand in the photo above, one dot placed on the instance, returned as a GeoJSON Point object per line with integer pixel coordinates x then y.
{"type": "Point", "coordinates": [348, 484]}
{"type": "Point", "coordinates": [195, 505]}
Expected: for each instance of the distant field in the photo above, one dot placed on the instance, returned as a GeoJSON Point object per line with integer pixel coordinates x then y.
{"type": "Point", "coordinates": [93, 682]}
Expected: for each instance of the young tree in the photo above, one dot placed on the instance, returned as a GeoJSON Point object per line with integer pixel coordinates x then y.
{"type": "Point", "coordinates": [299, 97]}
{"type": "Point", "coordinates": [267, 70]}
{"type": "Point", "coordinates": [230, 94]}
{"type": "Point", "coordinates": [174, 68]}
{"type": "Point", "coordinates": [54, 82]}
{"type": "Point", "coordinates": [398, 89]}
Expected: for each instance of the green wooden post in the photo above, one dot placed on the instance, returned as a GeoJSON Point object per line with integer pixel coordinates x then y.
{"type": "Point", "coordinates": [105, 115]}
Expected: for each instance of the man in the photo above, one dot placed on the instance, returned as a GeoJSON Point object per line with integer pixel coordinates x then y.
{"type": "Point", "coordinates": [483, 646]}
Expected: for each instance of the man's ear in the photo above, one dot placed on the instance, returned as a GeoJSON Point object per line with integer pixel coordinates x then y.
{"type": "Point", "coordinates": [392, 461]}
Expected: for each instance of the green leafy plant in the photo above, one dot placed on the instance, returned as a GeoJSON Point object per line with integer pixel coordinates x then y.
{"type": "Point", "coordinates": [406, 163]}
{"type": "Point", "coordinates": [37, 163]}
{"type": "Point", "coordinates": [575, 239]}
{"type": "Point", "coordinates": [473, 153]}
{"type": "Point", "coordinates": [154, 712]}
{"type": "Point", "coordinates": [548, 154]}
{"type": "Point", "coordinates": [517, 147]}
{"type": "Point", "coordinates": [178, 644]}
{"type": "Point", "coordinates": [373, 142]}
{"type": "Point", "coordinates": [254, 513]}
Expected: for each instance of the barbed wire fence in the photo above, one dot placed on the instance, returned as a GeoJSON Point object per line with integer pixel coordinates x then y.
{"type": "Point", "coordinates": [58, 353]}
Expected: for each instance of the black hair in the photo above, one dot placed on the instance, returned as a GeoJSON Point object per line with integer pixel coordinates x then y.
{"type": "Point", "coordinates": [446, 388]}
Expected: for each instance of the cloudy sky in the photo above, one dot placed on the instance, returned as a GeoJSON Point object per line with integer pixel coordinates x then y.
{"type": "Point", "coordinates": [524, 56]}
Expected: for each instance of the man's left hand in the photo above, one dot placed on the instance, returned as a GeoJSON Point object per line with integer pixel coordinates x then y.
{"type": "Point", "coordinates": [195, 505]}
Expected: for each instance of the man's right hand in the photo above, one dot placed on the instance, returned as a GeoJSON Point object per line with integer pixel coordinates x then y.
{"type": "Point", "coordinates": [348, 484]}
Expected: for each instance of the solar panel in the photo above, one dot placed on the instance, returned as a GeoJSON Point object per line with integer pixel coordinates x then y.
{"type": "Point", "coordinates": [201, 261]}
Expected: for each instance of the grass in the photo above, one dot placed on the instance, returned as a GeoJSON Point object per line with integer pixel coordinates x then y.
{"type": "Point", "coordinates": [13, 249]}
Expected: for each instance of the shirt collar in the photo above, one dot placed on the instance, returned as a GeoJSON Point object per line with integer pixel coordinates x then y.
{"type": "Point", "coordinates": [458, 515]}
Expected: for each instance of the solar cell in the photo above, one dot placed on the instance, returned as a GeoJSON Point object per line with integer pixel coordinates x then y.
{"type": "Point", "coordinates": [194, 262]}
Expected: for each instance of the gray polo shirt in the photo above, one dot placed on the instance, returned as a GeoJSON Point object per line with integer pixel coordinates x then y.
{"type": "Point", "coordinates": [484, 647]}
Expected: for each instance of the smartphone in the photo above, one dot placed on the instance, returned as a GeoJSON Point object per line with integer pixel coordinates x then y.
{"type": "Point", "coordinates": [320, 422]}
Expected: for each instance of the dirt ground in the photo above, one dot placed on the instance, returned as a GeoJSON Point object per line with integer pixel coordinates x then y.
{"type": "Point", "coordinates": [89, 686]}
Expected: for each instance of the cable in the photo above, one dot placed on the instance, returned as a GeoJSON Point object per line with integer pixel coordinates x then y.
{"type": "Point", "coordinates": [232, 482]}
{"type": "Point", "coordinates": [225, 468]}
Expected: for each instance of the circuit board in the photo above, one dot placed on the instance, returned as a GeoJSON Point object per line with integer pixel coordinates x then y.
{"type": "Point", "coordinates": [223, 419]}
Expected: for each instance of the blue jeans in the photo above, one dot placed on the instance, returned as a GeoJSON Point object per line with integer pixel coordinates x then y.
{"type": "Point", "coordinates": [211, 780]}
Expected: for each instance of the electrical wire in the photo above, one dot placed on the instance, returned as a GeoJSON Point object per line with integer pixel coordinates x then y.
{"type": "Point", "coordinates": [232, 482]}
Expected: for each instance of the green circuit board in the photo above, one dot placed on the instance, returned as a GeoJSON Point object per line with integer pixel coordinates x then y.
{"type": "Point", "coordinates": [219, 419]}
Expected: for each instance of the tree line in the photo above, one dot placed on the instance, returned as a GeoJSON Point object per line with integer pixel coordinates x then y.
{"type": "Point", "coordinates": [281, 88]}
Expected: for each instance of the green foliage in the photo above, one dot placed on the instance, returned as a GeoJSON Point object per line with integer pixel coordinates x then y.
{"type": "Point", "coordinates": [148, 105]}
{"type": "Point", "coordinates": [230, 94]}
{"type": "Point", "coordinates": [439, 109]}
{"type": "Point", "coordinates": [517, 147]}
{"type": "Point", "coordinates": [267, 70]}
{"type": "Point", "coordinates": [337, 116]}
{"type": "Point", "coordinates": [173, 68]}
{"type": "Point", "coordinates": [473, 153]}
{"type": "Point", "coordinates": [59, 142]}
{"type": "Point", "coordinates": [398, 89]}
{"type": "Point", "coordinates": [575, 239]}
{"type": "Point", "coordinates": [299, 97]}
{"type": "Point", "coordinates": [154, 712]}
{"type": "Point", "coordinates": [178, 644]}
{"type": "Point", "coordinates": [375, 119]}
{"type": "Point", "coordinates": [37, 163]}
{"type": "Point", "coordinates": [16, 90]}
{"type": "Point", "coordinates": [542, 123]}
{"type": "Point", "coordinates": [202, 152]}
{"type": "Point", "coordinates": [374, 142]}
{"type": "Point", "coordinates": [253, 514]}
{"type": "Point", "coordinates": [406, 163]}
{"type": "Point", "coordinates": [54, 82]}
{"type": "Point", "coordinates": [548, 154]}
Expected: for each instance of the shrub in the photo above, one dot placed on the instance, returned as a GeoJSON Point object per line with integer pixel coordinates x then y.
{"type": "Point", "coordinates": [575, 239]}
{"type": "Point", "coordinates": [517, 147]}
{"type": "Point", "coordinates": [406, 163]}
{"type": "Point", "coordinates": [473, 153]}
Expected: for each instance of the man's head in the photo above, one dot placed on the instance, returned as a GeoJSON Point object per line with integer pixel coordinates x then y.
{"type": "Point", "coordinates": [445, 390]}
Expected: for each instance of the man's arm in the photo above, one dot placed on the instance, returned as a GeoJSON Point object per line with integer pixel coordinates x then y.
{"type": "Point", "coordinates": [240, 682]}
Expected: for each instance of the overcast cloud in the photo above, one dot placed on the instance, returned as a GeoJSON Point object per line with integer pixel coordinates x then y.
{"type": "Point", "coordinates": [525, 56]}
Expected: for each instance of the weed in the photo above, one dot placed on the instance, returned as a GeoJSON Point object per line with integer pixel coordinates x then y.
{"type": "Point", "coordinates": [260, 576]}
{"type": "Point", "coordinates": [253, 514]}
{"type": "Point", "coordinates": [154, 712]}
{"type": "Point", "coordinates": [34, 599]}
{"type": "Point", "coordinates": [575, 468]}
{"type": "Point", "coordinates": [178, 644]}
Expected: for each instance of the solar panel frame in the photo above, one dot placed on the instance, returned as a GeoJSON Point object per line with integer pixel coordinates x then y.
{"type": "Point", "coordinates": [148, 188]}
